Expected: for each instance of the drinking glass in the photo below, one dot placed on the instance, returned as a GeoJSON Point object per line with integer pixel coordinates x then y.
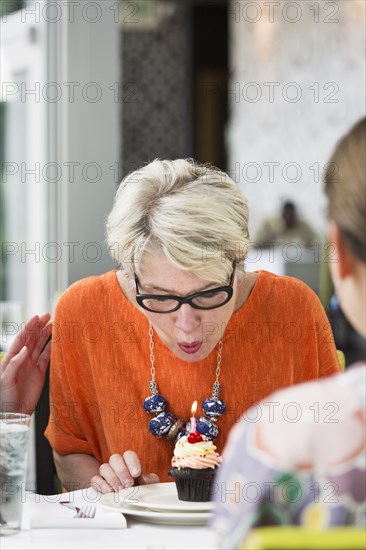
{"type": "Point", "coordinates": [14, 440]}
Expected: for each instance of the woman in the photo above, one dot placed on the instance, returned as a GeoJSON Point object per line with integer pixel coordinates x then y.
{"type": "Point", "coordinates": [180, 317]}
{"type": "Point", "coordinates": [304, 464]}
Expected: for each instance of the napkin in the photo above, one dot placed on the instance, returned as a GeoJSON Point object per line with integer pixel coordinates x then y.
{"type": "Point", "coordinates": [47, 512]}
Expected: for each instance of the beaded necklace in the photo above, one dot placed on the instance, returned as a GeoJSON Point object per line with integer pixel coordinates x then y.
{"type": "Point", "coordinates": [165, 424]}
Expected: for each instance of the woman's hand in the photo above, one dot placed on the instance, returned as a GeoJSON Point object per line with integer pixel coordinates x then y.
{"type": "Point", "coordinates": [120, 472]}
{"type": "Point", "coordinates": [24, 366]}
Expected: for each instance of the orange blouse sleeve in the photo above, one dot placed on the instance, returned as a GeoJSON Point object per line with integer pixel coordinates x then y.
{"type": "Point", "coordinates": [66, 427]}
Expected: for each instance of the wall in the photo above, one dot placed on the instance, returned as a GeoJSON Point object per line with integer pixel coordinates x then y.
{"type": "Point", "coordinates": [157, 82]}
{"type": "Point", "coordinates": [297, 83]}
{"type": "Point", "coordinates": [83, 136]}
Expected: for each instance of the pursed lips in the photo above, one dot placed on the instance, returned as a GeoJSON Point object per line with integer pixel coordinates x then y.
{"type": "Point", "coordinates": [190, 347]}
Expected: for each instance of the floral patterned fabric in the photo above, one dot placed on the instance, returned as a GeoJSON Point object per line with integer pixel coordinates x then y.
{"type": "Point", "coordinates": [296, 458]}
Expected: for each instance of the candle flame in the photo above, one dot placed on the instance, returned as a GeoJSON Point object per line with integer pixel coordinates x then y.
{"type": "Point", "coordinates": [194, 408]}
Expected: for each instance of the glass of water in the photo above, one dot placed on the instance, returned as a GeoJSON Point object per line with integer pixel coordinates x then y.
{"type": "Point", "coordinates": [14, 440]}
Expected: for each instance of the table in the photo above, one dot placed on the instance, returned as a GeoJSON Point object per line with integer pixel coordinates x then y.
{"type": "Point", "coordinates": [137, 535]}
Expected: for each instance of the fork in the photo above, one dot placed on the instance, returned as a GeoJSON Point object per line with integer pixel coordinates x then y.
{"type": "Point", "coordinates": [86, 512]}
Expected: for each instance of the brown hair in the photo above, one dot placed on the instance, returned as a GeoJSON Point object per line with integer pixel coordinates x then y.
{"type": "Point", "coordinates": [345, 186]}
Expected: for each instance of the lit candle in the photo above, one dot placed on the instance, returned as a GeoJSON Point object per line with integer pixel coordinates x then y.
{"type": "Point", "coordinates": [194, 436]}
{"type": "Point", "coordinates": [193, 418]}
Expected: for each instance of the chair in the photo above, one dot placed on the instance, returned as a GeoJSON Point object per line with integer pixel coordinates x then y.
{"type": "Point", "coordinates": [341, 359]}
{"type": "Point", "coordinates": [298, 538]}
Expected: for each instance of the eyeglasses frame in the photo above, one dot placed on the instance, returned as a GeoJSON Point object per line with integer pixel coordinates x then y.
{"type": "Point", "coordinates": [187, 299]}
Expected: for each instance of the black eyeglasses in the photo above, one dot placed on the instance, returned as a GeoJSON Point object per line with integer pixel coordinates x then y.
{"type": "Point", "coordinates": [166, 303]}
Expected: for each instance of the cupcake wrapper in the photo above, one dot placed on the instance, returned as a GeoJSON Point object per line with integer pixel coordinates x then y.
{"type": "Point", "coordinates": [193, 485]}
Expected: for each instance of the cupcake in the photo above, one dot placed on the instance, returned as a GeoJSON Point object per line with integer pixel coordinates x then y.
{"type": "Point", "coordinates": [195, 462]}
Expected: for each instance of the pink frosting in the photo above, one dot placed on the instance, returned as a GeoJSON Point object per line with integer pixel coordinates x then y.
{"type": "Point", "coordinates": [195, 455]}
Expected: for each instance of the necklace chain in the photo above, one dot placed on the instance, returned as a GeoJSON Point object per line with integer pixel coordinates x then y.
{"type": "Point", "coordinates": [219, 358]}
{"type": "Point", "coordinates": [152, 357]}
{"type": "Point", "coordinates": [165, 423]}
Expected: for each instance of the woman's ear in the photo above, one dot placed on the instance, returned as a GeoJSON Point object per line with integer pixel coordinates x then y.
{"type": "Point", "coordinates": [345, 259]}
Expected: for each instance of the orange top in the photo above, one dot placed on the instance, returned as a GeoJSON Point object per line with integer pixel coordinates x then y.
{"type": "Point", "coordinates": [100, 367]}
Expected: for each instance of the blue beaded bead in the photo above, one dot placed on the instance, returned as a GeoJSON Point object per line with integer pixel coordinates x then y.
{"type": "Point", "coordinates": [207, 428]}
{"type": "Point", "coordinates": [155, 403]}
{"type": "Point", "coordinates": [213, 407]}
{"type": "Point", "coordinates": [161, 424]}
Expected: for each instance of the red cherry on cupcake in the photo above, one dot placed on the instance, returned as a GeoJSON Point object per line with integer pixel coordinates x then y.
{"type": "Point", "coordinates": [194, 437]}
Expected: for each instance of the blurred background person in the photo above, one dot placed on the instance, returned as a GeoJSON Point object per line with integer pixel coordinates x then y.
{"type": "Point", "coordinates": [286, 228]}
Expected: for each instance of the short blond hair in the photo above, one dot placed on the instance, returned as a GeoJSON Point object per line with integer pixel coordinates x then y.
{"type": "Point", "coordinates": [194, 213]}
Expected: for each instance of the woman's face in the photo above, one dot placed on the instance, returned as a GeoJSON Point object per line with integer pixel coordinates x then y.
{"type": "Point", "coordinates": [191, 334]}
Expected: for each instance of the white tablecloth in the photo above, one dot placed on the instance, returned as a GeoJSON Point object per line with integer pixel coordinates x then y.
{"type": "Point", "coordinates": [137, 535]}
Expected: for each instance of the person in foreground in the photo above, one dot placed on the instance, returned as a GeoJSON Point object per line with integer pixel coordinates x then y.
{"type": "Point", "coordinates": [24, 366]}
{"type": "Point", "coordinates": [179, 321]}
{"type": "Point", "coordinates": [298, 457]}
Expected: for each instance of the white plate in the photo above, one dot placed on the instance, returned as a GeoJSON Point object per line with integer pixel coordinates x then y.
{"type": "Point", "coordinates": [162, 497]}
{"type": "Point", "coordinates": [157, 503]}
